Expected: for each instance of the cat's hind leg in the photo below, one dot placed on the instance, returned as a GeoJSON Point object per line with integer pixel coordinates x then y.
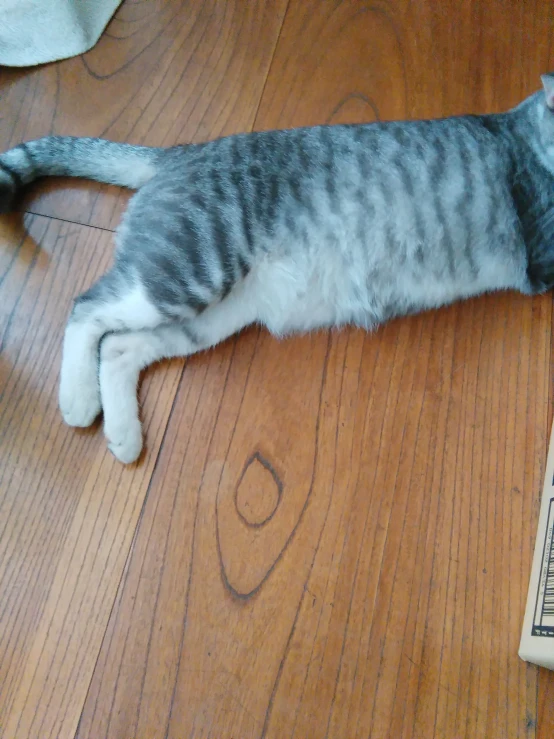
{"type": "Point", "coordinates": [112, 304]}
{"type": "Point", "coordinates": [124, 355]}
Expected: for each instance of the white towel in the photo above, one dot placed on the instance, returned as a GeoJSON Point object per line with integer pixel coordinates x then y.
{"type": "Point", "coordinates": [38, 31]}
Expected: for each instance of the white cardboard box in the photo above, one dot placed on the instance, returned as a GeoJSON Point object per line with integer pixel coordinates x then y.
{"type": "Point", "coordinates": [537, 638]}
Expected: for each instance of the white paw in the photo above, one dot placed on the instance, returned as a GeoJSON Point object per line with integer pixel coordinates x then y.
{"type": "Point", "coordinates": [79, 396]}
{"type": "Point", "coordinates": [80, 408]}
{"type": "Point", "coordinates": [120, 364]}
{"type": "Point", "coordinates": [125, 442]}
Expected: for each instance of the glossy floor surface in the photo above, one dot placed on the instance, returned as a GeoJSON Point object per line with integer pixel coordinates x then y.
{"type": "Point", "coordinates": [328, 536]}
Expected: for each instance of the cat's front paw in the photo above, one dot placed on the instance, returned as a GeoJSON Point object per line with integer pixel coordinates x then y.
{"type": "Point", "coordinates": [125, 442]}
{"type": "Point", "coordinates": [80, 407]}
{"type": "Point", "coordinates": [119, 371]}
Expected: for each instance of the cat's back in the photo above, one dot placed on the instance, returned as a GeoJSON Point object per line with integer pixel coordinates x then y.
{"type": "Point", "coordinates": [304, 151]}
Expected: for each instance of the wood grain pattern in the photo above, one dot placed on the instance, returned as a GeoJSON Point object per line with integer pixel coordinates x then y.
{"type": "Point", "coordinates": [356, 600]}
{"type": "Point", "coordinates": [545, 718]}
{"type": "Point", "coordinates": [335, 538]}
{"type": "Point", "coordinates": [68, 511]}
{"type": "Point", "coordinates": [391, 480]}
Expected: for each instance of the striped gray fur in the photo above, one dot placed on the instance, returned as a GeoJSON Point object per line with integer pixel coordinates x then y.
{"type": "Point", "coordinates": [296, 229]}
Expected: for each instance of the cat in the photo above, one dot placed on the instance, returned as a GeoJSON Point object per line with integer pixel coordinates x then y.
{"type": "Point", "coordinates": [295, 229]}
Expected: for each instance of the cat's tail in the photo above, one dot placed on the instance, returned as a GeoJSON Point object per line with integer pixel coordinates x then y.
{"type": "Point", "coordinates": [95, 159]}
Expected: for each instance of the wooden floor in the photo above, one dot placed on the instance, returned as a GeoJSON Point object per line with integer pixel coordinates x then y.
{"type": "Point", "coordinates": [329, 536]}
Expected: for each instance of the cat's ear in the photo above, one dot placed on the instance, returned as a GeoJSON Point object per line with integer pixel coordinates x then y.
{"type": "Point", "coordinates": [548, 84]}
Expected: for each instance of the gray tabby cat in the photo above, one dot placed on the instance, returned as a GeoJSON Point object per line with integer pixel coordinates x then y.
{"type": "Point", "coordinates": [295, 230]}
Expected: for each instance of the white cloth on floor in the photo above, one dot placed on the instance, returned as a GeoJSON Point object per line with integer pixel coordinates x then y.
{"type": "Point", "coordinates": [38, 31]}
